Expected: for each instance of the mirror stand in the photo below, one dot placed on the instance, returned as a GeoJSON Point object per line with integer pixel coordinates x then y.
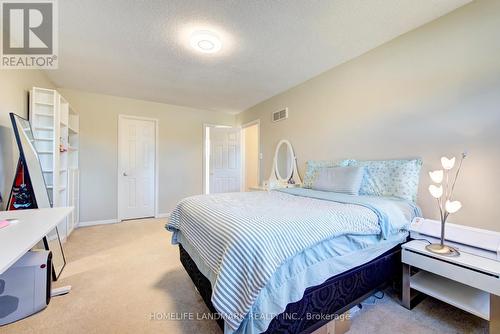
{"type": "Point", "coordinates": [284, 173]}
{"type": "Point", "coordinates": [29, 190]}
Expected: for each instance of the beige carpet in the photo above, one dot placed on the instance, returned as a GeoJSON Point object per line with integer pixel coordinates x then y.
{"type": "Point", "coordinates": [124, 274]}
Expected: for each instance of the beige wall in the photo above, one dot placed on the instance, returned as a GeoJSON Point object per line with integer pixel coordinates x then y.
{"type": "Point", "coordinates": [251, 137]}
{"type": "Point", "coordinates": [180, 149]}
{"type": "Point", "coordinates": [431, 92]}
{"type": "Point", "coordinates": [14, 88]}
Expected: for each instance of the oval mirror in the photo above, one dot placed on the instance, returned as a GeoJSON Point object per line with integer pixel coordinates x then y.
{"type": "Point", "coordinates": [284, 161]}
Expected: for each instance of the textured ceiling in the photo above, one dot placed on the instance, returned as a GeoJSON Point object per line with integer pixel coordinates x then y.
{"type": "Point", "coordinates": [140, 49]}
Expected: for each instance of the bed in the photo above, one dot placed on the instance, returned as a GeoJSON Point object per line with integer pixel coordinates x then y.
{"type": "Point", "coordinates": [286, 261]}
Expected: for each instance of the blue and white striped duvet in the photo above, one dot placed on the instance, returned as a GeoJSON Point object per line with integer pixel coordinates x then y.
{"type": "Point", "coordinates": [243, 238]}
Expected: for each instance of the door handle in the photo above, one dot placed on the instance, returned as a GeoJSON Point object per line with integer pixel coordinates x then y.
{"type": "Point", "coordinates": [125, 174]}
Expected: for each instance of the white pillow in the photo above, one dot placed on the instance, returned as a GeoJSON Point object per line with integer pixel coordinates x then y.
{"type": "Point", "coordinates": [345, 180]}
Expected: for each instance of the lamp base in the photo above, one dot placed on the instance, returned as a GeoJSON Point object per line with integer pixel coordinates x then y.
{"type": "Point", "coordinates": [443, 250]}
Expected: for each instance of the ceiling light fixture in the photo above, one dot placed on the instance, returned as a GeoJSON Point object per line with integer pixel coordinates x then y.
{"type": "Point", "coordinates": [205, 41]}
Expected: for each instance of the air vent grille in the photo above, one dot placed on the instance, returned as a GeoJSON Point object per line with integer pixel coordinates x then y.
{"type": "Point", "coordinates": [280, 115]}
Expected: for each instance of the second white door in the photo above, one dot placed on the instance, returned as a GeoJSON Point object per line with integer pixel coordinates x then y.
{"type": "Point", "coordinates": [225, 160]}
{"type": "Point", "coordinates": [136, 167]}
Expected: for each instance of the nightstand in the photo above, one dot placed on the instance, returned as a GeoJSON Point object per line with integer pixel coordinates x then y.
{"type": "Point", "coordinates": [258, 188]}
{"type": "Point", "coordinates": [266, 187]}
{"type": "Point", "coordinates": [468, 282]}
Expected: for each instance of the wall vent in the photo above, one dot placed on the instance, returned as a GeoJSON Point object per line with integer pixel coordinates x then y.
{"type": "Point", "coordinates": [280, 115]}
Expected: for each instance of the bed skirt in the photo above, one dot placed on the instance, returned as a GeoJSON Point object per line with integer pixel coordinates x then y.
{"type": "Point", "coordinates": [335, 296]}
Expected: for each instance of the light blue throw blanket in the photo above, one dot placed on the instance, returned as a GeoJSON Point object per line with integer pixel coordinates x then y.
{"type": "Point", "coordinates": [243, 238]}
{"type": "Point", "coordinates": [391, 218]}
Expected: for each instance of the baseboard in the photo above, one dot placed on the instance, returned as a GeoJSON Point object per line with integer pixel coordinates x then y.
{"type": "Point", "coordinates": [113, 221]}
{"type": "Point", "coordinates": [163, 215]}
{"type": "Point", "coordinates": [97, 222]}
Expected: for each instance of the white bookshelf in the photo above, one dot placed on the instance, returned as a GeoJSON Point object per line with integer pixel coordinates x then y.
{"type": "Point", "coordinates": [56, 125]}
{"type": "Point", "coordinates": [73, 172]}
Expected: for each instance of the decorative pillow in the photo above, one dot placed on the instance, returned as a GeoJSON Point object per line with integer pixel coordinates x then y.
{"type": "Point", "coordinates": [345, 180]}
{"type": "Point", "coordinates": [313, 167]}
{"type": "Point", "coordinates": [397, 178]}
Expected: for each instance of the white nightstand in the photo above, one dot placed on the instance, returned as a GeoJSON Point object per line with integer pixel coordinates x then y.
{"type": "Point", "coordinates": [266, 187]}
{"type": "Point", "coordinates": [469, 282]}
{"type": "Point", "coordinates": [258, 188]}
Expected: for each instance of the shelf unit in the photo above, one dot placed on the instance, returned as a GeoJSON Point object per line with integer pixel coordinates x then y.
{"type": "Point", "coordinates": [462, 296]}
{"type": "Point", "coordinates": [55, 126]}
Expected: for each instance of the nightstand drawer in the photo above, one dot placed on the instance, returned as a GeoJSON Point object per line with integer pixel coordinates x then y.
{"type": "Point", "coordinates": [474, 278]}
{"type": "Point", "coordinates": [258, 188]}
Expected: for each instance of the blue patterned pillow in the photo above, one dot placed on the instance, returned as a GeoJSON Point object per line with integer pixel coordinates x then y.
{"type": "Point", "coordinates": [313, 167]}
{"type": "Point", "coordinates": [397, 178]}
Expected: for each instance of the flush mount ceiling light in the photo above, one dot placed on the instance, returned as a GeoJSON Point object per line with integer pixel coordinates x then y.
{"type": "Point", "coordinates": [205, 41]}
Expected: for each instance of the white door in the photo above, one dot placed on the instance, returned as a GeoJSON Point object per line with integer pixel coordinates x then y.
{"type": "Point", "coordinates": [136, 168]}
{"type": "Point", "coordinates": [225, 156]}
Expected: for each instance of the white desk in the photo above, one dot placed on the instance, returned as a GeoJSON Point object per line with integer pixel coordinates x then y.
{"type": "Point", "coordinates": [16, 239]}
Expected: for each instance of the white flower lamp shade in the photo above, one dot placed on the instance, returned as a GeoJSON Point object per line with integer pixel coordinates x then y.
{"type": "Point", "coordinates": [437, 176]}
{"type": "Point", "coordinates": [436, 191]}
{"type": "Point", "coordinates": [448, 163]}
{"type": "Point", "coordinates": [452, 206]}
{"type": "Point", "coordinates": [442, 191]}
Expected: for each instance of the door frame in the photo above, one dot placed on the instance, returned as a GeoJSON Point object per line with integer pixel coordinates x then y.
{"type": "Point", "coordinates": [121, 117]}
{"type": "Point", "coordinates": [243, 153]}
{"type": "Point", "coordinates": [206, 154]}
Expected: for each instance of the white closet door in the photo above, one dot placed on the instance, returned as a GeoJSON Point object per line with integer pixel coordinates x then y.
{"type": "Point", "coordinates": [225, 164]}
{"type": "Point", "coordinates": [136, 186]}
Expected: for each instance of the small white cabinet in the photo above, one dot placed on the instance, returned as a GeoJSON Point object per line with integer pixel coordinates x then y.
{"type": "Point", "coordinates": [55, 127]}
